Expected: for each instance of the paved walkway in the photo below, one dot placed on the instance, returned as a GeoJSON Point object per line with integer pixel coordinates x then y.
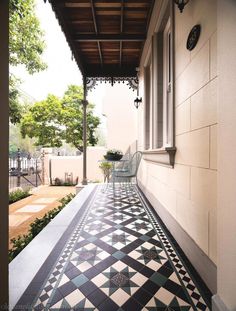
{"type": "Point", "coordinates": [116, 256]}
{"type": "Point", "coordinates": [23, 212]}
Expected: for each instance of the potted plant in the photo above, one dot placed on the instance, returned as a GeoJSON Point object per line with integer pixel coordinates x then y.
{"type": "Point", "coordinates": [113, 155]}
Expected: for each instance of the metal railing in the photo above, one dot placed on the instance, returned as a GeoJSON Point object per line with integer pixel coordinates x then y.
{"type": "Point", "coordinates": [25, 171]}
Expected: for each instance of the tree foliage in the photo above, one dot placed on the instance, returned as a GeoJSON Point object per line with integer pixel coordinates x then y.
{"type": "Point", "coordinates": [26, 43]}
{"type": "Point", "coordinates": [26, 46]}
{"type": "Point", "coordinates": [56, 120]}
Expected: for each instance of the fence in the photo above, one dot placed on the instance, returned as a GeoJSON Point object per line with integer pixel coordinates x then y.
{"type": "Point", "coordinates": [25, 171]}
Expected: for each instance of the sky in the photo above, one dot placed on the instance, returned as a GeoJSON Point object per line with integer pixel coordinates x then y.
{"type": "Point", "coordinates": [62, 69]}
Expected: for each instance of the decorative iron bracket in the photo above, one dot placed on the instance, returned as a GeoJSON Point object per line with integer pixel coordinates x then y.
{"type": "Point", "coordinates": [92, 82]}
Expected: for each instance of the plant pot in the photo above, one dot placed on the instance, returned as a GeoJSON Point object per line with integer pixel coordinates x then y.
{"type": "Point", "coordinates": [113, 157]}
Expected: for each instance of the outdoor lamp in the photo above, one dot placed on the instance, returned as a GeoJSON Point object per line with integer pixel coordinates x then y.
{"type": "Point", "coordinates": [137, 102]}
{"type": "Point", "coordinates": [181, 4]}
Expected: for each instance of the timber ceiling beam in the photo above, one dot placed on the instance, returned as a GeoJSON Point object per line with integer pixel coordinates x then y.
{"type": "Point", "coordinates": [96, 30]}
{"type": "Point", "coordinates": [109, 37]}
{"type": "Point", "coordinates": [121, 27]}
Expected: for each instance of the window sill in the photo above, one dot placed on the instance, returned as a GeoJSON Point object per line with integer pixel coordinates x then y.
{"type": "Point", "coordinates": [163, 156]}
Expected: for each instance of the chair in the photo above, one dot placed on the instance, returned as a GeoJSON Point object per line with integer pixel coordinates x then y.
{"type": "Point", "coordinates": [131, 169]}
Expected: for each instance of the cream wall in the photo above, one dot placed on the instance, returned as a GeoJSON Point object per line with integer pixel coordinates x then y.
{"type": "Point", "coordinates": [74, 164]}
{"type": "Point", "coordinates": [189, 191]}
{"type": "Point", "coordinates": [226, 244]}
{"type": "Point", "coordinates": [118, 106]}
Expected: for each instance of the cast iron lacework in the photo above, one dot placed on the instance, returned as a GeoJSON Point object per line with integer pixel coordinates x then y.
{"type": "Point", "coordinates": [92, 82]}
{"type": "Point", "coordinates": [119, 258]}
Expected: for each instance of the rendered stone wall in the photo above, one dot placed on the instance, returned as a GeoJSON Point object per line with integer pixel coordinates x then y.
{"type": "Point", "coordinates": [189, 190]}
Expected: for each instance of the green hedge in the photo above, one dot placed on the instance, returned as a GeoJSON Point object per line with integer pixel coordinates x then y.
{"type": "Point", "coordinates": [17, 195]}
{"type": "Point", "coordinates": [21, 241]}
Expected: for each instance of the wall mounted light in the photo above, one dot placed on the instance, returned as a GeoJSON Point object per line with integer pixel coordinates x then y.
{"type": "Point", "coordinates": [137, 102]}
{"type": "Point", "coordinates": [138, 99]}
{"type": "Point", "coordinates": [181, 4]}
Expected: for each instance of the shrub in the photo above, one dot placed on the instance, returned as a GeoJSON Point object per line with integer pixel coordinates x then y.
{"type": "Point", "coordinates": [21, 241]}
{"type": "Point", "coordinates": [17, 195]}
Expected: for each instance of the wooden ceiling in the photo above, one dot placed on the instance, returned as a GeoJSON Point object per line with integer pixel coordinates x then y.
{"type": "Point", "coordinates": [106, 36]}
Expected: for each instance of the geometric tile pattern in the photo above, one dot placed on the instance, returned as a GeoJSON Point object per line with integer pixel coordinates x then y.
{"type": "Point", "coordinates": [119, 258]}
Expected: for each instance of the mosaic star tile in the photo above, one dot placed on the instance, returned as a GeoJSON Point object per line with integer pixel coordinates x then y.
{"type": "Point", "coordinates": [118, 258]}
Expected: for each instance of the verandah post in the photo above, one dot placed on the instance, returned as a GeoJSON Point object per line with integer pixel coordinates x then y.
{"type": "Point", "coordinates": [85, 103]}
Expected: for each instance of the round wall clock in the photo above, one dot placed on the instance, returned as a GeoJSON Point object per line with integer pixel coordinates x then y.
{"type": "Point", "coordinates": [193, 37]}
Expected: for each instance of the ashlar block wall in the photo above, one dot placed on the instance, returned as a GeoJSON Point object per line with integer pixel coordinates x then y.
{"type": "Point", "coordinates": [189, 190]}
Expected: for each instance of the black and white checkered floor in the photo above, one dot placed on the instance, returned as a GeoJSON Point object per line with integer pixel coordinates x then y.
{"type": "Point", "coordinates": [118, 257]}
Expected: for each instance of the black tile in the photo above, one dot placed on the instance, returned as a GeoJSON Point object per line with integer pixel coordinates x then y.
{"type": "Point", "coordinates": [97, 297]}
{"type": "Point", "coordinates": [72, 273]}
{"type": "Point", "coordinates": [164, 270]}
{"type": "Point", "coordinates": [195, 296]}
{"type": "Point", "coordinates": [151, 287]}
{"type": "Point", "coordinates": [104, 264]}
{"type": "Point", "coordinates": [183, 295]}
{"type": "Point", "coordinates": [44, 297]}
{"type": "Point", "coordinates": [88, 288]}
{"type": "Point", "coordinates": [155, 242]}
{"type": "Point", "coordinates": [132, 304]}
{"type": "Point", "coordinates": [34, 288]}
{"type": "Point", "coordinates": [56, 297]}
{"type": "Point", "coordinates": [136, 265]}
{"type": "Point", "coordinates": [91, 273]}
{"type": "Point", "coordinates": [147, 272]}
{"type": "Point", "coordinates": [133, 232]}
{"type": "Point", "coordinates": [201, 306]}
{"type": "Point", "coordinates": [142, 296]}
{"type": "Point", "coordinates": [190, 286]}
{"type": "Point", "coordinates": [25, 303]}
{"type": "Point", "coordinates": [172, 286]}
{"type": "Point", "coordinates": [67, 288]}
{"type": "Point", "coordinates": [108, 305]}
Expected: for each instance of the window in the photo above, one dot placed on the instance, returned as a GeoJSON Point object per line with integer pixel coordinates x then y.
{"type": "Point", "coordinates": [159, 121]}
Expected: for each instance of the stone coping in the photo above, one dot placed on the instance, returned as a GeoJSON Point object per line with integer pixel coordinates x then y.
{"type": "Point", "coordinates": [24, 267]}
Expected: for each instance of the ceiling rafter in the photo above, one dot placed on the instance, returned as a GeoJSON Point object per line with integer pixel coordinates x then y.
{"type": "Point", "coordinates": [96, 30]}
{"type": "Point", "coordinates": [110, 37]}
{"type": "Point", "coordinates": [121, 27]}
{"type": "Point", "coordinates": [106, 36]}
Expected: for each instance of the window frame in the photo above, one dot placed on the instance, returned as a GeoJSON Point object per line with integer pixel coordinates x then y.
{"type": "Point", "coordinates": [162, 131]}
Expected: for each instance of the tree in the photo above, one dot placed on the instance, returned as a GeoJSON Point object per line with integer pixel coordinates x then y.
{"type": "Point", "coordinates": [26, 46]}
{"type": "Point", "coordinates": [56, 120]}
{"type": "Point", "coordinates": [73, 118]}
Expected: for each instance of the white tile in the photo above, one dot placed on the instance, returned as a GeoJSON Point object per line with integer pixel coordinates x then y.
{"type": "Point", "coordinates": [16, 220]}
{"type": "Point", "coordinates": [31, 208]}
{"type": "Point", "coordinates": [120, 297]}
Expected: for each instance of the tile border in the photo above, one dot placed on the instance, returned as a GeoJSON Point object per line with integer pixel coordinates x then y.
{"type": "Point", "coordinates": [31, 259]}
{"type": "Point", "coordinates": [201, 262]}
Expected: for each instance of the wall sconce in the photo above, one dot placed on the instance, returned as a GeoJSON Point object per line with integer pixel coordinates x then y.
{"type": "Point", "coordinates": [181, 4]}
{"type": "Point", "coordinates": [137, 102]}
{"type": "Point", "coordinates": [138, 99]}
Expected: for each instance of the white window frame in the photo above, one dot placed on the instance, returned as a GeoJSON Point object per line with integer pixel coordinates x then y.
{"type": "Point", "coordinates": [161, 147]}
